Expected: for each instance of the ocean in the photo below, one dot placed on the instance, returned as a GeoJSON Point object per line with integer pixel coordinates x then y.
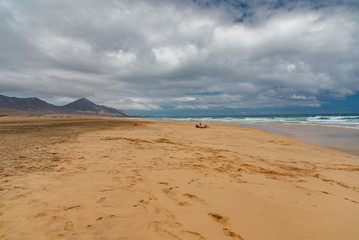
{"type": "Point", "coordinates": [340, 132]}
{"type": "Point", "coordinates": [339, 121]}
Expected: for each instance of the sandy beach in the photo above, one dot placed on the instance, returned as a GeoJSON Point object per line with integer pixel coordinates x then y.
{"type": "Point", "coordinates": [79, 178]}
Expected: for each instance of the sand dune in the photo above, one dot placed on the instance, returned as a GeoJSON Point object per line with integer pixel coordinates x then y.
{"type": "Point", "coordinates": [110, 179]}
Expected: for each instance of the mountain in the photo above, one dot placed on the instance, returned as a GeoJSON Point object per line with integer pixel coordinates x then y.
{"type": "Point", "coordinates": [85, 106]}
{"type": "Point", "coordinates": [21, 106]}
{"type": "Point", "coordinates": [35, 106]}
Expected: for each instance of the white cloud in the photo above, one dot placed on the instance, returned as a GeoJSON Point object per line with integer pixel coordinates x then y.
{"type": "Point", "coordinates": [175, 56]}
{"type": "Point", "coordinates": [61, 47]}
{"type": "Point", "coordinates": [138, 55]}
{"type": "Point", "coordinates": [184, 99]}
{"type": "Point", "coordinates": [63, 100]}
{"type": "Point", "coordinates": [119, 58]}
{"type": "Point", "coordinates": [301, 97]}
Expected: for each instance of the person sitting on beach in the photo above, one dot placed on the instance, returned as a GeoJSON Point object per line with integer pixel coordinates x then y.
{"type": "Point", "coordinates": [200, 126]}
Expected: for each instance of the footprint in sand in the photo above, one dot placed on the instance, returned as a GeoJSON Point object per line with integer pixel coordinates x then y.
{"type": "Point", "coordinates": [193, 234]}
{"type": "Point", "coordinates": [170, 192]}
{"type": "Point", "coordinates": [107, 190]}
{"type": "Point", "coordinates": [68, 226]}
{"type": "Point", "coordinates": [41, 214]}
{"type": "Point", "coordinates": [193, 180]}
{"type": "Point", "coordinates": [194, 197]}
{"type": "Point", "coordinates": [196, 182]}
{"type": "Point", "coordinates": [351, 200]}
{"type": "Point", "coordinates": [219, 218]}
{"type": "Point", "coordinates": [229, 233]}
{"type": "Point", "coordinates": [225, 221]}
{"type": "Point", "coordinates": [101, 200]}
{"type": "Point", "coordinates": [72, 207]}
{"type": "Point", "coordinates": [163, 183]}
{"type": "Point", "coordinates": [184, 203]}
{"type": "Point", "coordinates": [162, 221]}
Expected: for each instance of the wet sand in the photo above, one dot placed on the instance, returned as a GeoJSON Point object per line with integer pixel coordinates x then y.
{"type": "Point", "coordinates": [342, 139]}
{"type": "Point", "coordinates": [111, 179]}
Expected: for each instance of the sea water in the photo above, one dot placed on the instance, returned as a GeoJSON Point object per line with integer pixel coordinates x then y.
{"type": "Point", "coordinates": [339, 121]}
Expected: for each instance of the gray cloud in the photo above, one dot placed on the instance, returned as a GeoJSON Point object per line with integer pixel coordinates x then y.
{"type": "Point", "coordinates": [153, 55]}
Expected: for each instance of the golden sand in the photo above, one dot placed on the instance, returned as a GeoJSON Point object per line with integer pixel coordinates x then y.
{"type": "Point", "coordinates": [109, 179]}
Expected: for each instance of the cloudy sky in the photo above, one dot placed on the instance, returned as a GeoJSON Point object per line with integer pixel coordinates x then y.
{"type": "Point", "coordinates": [184, 56]}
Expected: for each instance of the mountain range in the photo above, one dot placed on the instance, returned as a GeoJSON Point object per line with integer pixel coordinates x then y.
{"type": "Point", "coordinates": [35, 106]}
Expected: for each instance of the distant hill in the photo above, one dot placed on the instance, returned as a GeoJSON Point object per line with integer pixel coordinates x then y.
{"type": "Point", "coordinates": [84, 106]}
{"type": "Point", "coordinates": [35, 106]}
{"type": "Point", "coordinates": [21, 106]}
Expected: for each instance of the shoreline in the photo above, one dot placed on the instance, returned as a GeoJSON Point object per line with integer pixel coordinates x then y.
{"type": "Point", "coordinates": [341, 139]}
{"type": "Point", "coordinates": [113, 178]}
{"type": "Point", "coordinates": [335, 138]}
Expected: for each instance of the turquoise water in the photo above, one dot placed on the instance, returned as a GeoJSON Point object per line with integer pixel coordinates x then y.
{"type": "Point", "coordinates": [340, 121]}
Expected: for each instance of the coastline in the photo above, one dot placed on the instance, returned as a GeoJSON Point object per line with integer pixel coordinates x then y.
{"type": "Point", "coordinates": [338, 132]}
{"type": "Point", "coordinates": [135, 179]}
{"type": "Point", "coordinates": [341, 139]}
